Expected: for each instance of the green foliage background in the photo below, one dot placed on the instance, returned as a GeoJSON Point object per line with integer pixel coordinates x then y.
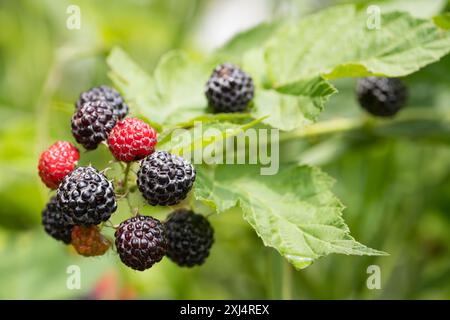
{"type": "Point", "coordinates": [394, 179]}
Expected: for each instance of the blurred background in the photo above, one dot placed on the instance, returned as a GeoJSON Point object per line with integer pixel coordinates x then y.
{"type": "Point", "coordinates": [395, 183]}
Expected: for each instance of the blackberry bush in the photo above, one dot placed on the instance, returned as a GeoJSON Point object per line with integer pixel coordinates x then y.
{"type": "Point", "coordinates": [287, 85]}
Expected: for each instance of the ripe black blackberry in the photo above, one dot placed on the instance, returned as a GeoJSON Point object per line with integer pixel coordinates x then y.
{"type": "Point", "coordinates": [382, 97]}
{"type": "Point", "coordinates": [165, 179]}
{"type": "Point", "coordinates": [92, 123]}
{"type": "Point", "coordinates": [141, 242]}
{"type": "Point", "coordinates": [86, 197]}
{"type": "Point", "coordinates": [190, 236]}
{"type": "Point", "coordinates": [55, 223]}
{"type": "Point", "coordinates": [108, 94]}
{"type": "Point", "coordinates": [229, 89]}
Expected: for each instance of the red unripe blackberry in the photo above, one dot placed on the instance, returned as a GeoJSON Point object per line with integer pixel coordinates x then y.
{"type": "Point", "coordinates": [88, 241]}
{"type": "Point", "coordinates": [92, 123]}
{"type": "Point", "coordinates": [382, 97]}
{"type": "Point", "coordinates": [190, 237]}
{"type": "Point", "coordinates": [108, 94]}
{"type": "Point", "coordinates": [165, 179]}
{"type": "Point", "coordinates": [86, 197]}
{"type": "Point", "coordinates": [55, 223]}
{"type": "Point", "coordinates": [132, 139]}
{"type": "Point", "coordinates": [229, 89]}
{"type": "Point", "coordinates": [141, 242]}
{"type": "Point", "coordinates": [56, 162]}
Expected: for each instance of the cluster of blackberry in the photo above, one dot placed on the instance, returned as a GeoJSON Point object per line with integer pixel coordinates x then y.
{"type": "Point", "coordinates": [85, 197]}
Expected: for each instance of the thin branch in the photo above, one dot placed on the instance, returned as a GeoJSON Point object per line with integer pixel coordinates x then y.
{"type": "Point", "coordinates": [343, 125]}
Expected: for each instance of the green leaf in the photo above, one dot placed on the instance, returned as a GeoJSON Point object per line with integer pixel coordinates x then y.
{"type": "Point", "coordinates": [443, 21]}
{"type": "Point", "coordinates": [417, 8]}
{"type": "Point", "coordinates": [173, 94]}
{"type": "Point", "coordinates": [200, 136]}
{"type": "Point", "coordinates": [180, 83]}
{"type": "Point", "coordinates": [136, 85]}
{"type": "Point", "coordinates": [206, 118]}
{"type": "Point", "coordinates": [287, 112]}
{"type": "Point", "coordinates": [294, 212]}
{"type": "Point", "coordinates": [247, 40]}
{"type": "Point", "coordinates": [290, 107]}
{"type": "Point", "coordinates": [337, 43]}
{"type": "Point", "coordinates": [291, 70]}
{"type": "Point", "coordinates": [290, 65]}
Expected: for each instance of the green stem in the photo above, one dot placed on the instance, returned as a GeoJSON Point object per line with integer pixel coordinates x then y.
{"type": "Point", "coordinates": [287, 281]}
{"type": "Point", "coordinates": [322, 128]}
{"type": "Point", "coordinates": [275, 275]}
{"type": "Point", "coordinates": [125, 177]}
{"type": "Point", "coordinates": [281, 277]}
{"type": "Point", "coordinates": [206, 118]}
{"type": "Point", "coordinates": [343, 125]}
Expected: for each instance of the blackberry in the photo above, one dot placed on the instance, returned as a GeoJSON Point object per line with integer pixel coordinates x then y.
{"type": "Point", "coordinates": [55, 223]}
{"type": "Point", "coordinates": [141, 242]}
{"type": "Point", "coordinates": [88, 241]}
{"type": "Point", "coordinates": [92, 123]}
{"type": "Point", "coordinates": [382, 97]}
{"type": "Point", "coordinates": [229, 89]}
{"type": "Point", "coordinates": [107, 94]}
{"type": "Point", "coordinates": [56, 162]}
{"type": "Point", "coordinates": [86, 197]}
{"type": "Point", "coordinates": [132, 139]}
{"type": "Point", "coordinates": [190, 236]}
{"type": "Point", "coordinates": [165, 179]}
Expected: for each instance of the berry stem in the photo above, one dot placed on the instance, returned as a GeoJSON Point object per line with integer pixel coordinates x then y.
{"type": "Point", "coordinates": [343, 125]}
{"type": "Point", "coordinates": [129, 203]}
{"type": "Point", "coordinates": [125, 176]}
{"type": "Point", "coordinates": [280, 273]}
{"type": "Point", "coordinates": [275, 274]}
{"type": "Point", "coordinates": [287, 281]}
